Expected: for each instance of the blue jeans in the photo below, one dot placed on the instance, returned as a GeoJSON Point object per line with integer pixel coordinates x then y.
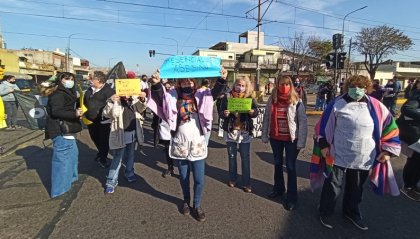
{"type": "Point", "coordinates": [197, 168]}
{"type": "Point", "coordinates": [232, 148]}
{"type": "Point", "coordinates": [64, 165]}
{"type": "Point", "coordinates": [278, 147]}
{"type": "Point", "coordinates": [114, 169]}
{"type": "Point", "coordinates": [320, 103]}
{"type": "Point", "coordinates": [11, 108]}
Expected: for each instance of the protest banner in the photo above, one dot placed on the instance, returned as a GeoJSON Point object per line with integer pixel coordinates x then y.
{"type": "Point", "coordinates": [176, 67]}
{"type": "Point", "coordinates": [127, 87]}
{"type": "Point", "coordinates": [241, 105]}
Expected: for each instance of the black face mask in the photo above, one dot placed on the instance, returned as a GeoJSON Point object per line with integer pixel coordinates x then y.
{"type": "Point", "coordinates": [12, 82]}
{"type": "Point", "coordinates": [187, 90]}
{"type": "Point", "coordinates": [296, 84]}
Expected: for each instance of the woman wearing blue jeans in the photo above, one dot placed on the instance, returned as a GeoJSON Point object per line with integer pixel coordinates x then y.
{"type": "Point", "coordinates": [126, 129]}
{"type": "Point", "coordinates": [285, 126]}
{"type": "Point", "coordinates": [238, 131]}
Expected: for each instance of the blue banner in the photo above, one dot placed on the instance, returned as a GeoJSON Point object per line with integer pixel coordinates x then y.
{"type": "Point", "coordinates": [190, 67]}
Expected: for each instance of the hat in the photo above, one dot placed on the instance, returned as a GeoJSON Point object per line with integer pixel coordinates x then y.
{"type": "Point", "coordinates": [131, 75]}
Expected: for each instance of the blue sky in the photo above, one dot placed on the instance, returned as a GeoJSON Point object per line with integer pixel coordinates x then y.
{"type": "Point", "coordinates": [106, 32]}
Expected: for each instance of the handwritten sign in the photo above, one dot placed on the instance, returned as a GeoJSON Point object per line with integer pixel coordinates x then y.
{"type": "Point", "coordinates": [176, 67]}
{"type": "Point", "coordinates": [127, 87]}
{"type": "Point", "coordinates": [239, 104]}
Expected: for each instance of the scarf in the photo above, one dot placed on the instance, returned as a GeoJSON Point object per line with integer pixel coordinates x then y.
{"type": "Point", "coordinates": [237, 95]}
{"type": "Point", "coordinates": [237, 124]}
{"type": "Point", "coordinates": [281, 104]}
{"type": "Point", "coordinates": [186, 107]}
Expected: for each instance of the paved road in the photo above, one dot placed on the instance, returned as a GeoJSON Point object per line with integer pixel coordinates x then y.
{"type": "Point", "coordinates": [149, 207]}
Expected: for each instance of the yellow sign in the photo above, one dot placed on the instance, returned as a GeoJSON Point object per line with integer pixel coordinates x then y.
{"type": "Point", "coordinates": [127, 87]}
{"type": "Point", "coordinates": [2, 115]}
{"type": "Point", "coordinates": [259, 53]}
{"type": "Point", "coordinates": [239, 104]}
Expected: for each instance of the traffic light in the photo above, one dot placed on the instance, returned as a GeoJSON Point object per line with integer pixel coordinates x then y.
{"type": "Point", "coordinates": [330, 61]}
{"type": "Point", "coordinates": [337, 41]}
{"type": "Point", "coordinates": [341, 60]}
{"type": "Point", "coordinates": [152, 53]}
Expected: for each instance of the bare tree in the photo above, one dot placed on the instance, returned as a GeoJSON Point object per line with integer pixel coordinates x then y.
{"type": "Point", "coordinates": [300, 50]}
{"type": "Point", "coordinates": [379, 42]}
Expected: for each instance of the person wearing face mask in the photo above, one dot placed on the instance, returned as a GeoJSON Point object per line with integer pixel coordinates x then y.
{"type": "Point", "coordinates": [377, 90]}
{"type": "Point", "coordinates": [238, 131]}
{"type": "Point", "coordinates": [285, 127]}
{"type": "Point", "coordinates": [7, 87]}
{"type": "Point", "coordinates": [390, 96]}
{"type": "Point", "coordinates": [356, 132]}
{"type": "Point", "coordinates": [63, 122]}
{"type": "Point", "coordinates": [126, 129]}
{"type": "Point", "coordinates": [300, 91]}
{"type": "Point", "coordinates": [189, 114]}
{"type": "Point", "coordinates": [95, 99]}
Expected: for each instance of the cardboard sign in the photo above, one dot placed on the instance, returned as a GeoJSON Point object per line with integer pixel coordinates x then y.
{"type": "Point", "coordinates": [241, 105]}
{"type": "Point", "coordinates": [127, 87]}
{"type": "Point", "coordinates": [176, 67]}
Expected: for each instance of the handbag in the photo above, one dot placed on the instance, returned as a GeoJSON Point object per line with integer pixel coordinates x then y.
{"type": "Point", "coordinates": [69, 127]}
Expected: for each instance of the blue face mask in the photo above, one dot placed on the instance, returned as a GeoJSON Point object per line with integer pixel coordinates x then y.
{"type": "Point", "coordinates": [356, 93]}
{"type": "Point", "coordinates": [68, 84]}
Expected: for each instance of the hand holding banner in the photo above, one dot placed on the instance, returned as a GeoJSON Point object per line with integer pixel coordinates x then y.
{"type": "Point", "coordinates": [240, 105]}
{"type": "Point", "coordinates": [176, 67]}
{"type": "Point", "coordinates": [127, 87]}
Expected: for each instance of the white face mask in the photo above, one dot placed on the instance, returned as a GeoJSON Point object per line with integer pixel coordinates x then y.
{"type": "Point", "coordinates": [240, 89]}
{"type": "Point", "coordinates": [68, 84]}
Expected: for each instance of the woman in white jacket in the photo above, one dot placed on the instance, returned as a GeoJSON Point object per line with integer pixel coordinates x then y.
{"type": "Point", "coordinates": [126, 129]}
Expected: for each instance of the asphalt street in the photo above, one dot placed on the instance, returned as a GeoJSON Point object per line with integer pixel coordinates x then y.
{"type": "Point", "coordinates": [149, 208]}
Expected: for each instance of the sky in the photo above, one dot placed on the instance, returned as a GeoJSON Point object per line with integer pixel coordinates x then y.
{"type": "Point", "coordinates": [108, 31]}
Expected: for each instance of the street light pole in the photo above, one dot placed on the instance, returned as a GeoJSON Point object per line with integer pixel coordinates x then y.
{"type": "Point", "coordinates": [344, 19]}
{"type": "Point", "coordinates": [257, 85]}
{"type": "Point", "coordinates": [174, 41]}
{"type": "Point", "coordinates": [342, 33]}
{"type": "Point", "coordinates": [109, 62]}
{"type": "Point", "coordinates": [68, 52]}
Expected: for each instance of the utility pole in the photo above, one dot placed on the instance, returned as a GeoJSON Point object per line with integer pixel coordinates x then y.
{"type": "Point", "coordinates": [348, 59]}
{"type": "Point", "coordinates": [257, 85]}
{"type": "Point", "coordinates": [293, 59]}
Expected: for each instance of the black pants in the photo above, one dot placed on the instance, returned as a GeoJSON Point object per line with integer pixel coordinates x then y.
{"type": "Point", "coordinates": [99, 133]}
{"type": "Point", "coordinates": [353, 190]}
{"type": "Point", "coordinates": [411, 172]}
{"type": "Point", "coordinates": [169, 160]}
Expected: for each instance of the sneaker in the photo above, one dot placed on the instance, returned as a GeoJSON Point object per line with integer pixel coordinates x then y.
{"type": "Point", "coordinates": [358, 222]}
{"type": "Point", "coordinates": [231, 184]}
{"type": "Point", "coordinates": [103, 163]}
{"type": "Point", "coordinates": [275, 194]}
{"type": "Point", "coordinates": [17, 127]}
{"type": "Point", "coordinates": [290, 206]}
{"type": "Point", "coordinates": [247, 189]}
{"type": "Point", "coordinates": [168, 172]}
{"type": "Point", "coordinates": [325, 221]}
{"type": "Point", "coordinates": [199, 214]}
{"type": "Point", "coordinates": [131, 179]}
{"type": "Point", "coordinates": [109, 190]}
{"type": "Point", "coordinates": [411, 193]}
{"type": "Point", "coordinates": [185, 209]}
{"type": "Point", "coordinates": [10, 128]}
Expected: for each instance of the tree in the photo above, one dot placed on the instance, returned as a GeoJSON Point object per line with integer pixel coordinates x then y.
{"type": "Point", "coordinates": [319, 49]}
{"type": "Point", "coordinates": [299, 47]}
{"type": "Point", "coordinates": [379, 42]}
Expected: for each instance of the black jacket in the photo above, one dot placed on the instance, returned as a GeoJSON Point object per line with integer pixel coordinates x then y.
{"type": "Point", "coordinates": [95, 103]}
{"type": "Point", "coordinates": [61, 106]}
{"type": "Point", "coordinates": [409, 120]}
{"type": "Point", "coordinates": [245, 118]}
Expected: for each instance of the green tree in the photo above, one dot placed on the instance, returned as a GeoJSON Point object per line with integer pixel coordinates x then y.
{"type": "Point", "coordinates": [376, 43]}
{"type": "Point", "coordinates": [319, 49]}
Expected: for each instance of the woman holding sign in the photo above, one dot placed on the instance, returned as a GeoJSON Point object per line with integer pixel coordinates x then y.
{"type": "Point", "coordinates": [237, 110]}
{"type": "Point", "coordinates": [189, 115]}
{"type": "Point", "coordinates": [285, 126]}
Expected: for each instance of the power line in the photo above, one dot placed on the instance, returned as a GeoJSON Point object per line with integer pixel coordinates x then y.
{"type": "Point", "coordinates": [100, 40]}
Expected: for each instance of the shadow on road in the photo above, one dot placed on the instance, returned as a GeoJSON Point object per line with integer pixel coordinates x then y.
{"type": "Point", "coordinates": [302, 167]}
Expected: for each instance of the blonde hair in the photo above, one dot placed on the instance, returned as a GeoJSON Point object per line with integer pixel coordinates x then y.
{"type": "Point", "coordinates": [248, 87]}
{"type": "Point", "coordinates": [293, 95]}
{"type": "Point", "coordinates": [358, 81]}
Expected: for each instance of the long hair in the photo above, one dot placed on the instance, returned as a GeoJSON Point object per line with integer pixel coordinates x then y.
{"type": "Point", "coordinates": [178, 85]}
{"type": "Point", "coordinates": [293, 95]}
{"type": "Point", "coordinates": [46, 88]}
{"type": "Point", "coordinates": [248, 87]}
